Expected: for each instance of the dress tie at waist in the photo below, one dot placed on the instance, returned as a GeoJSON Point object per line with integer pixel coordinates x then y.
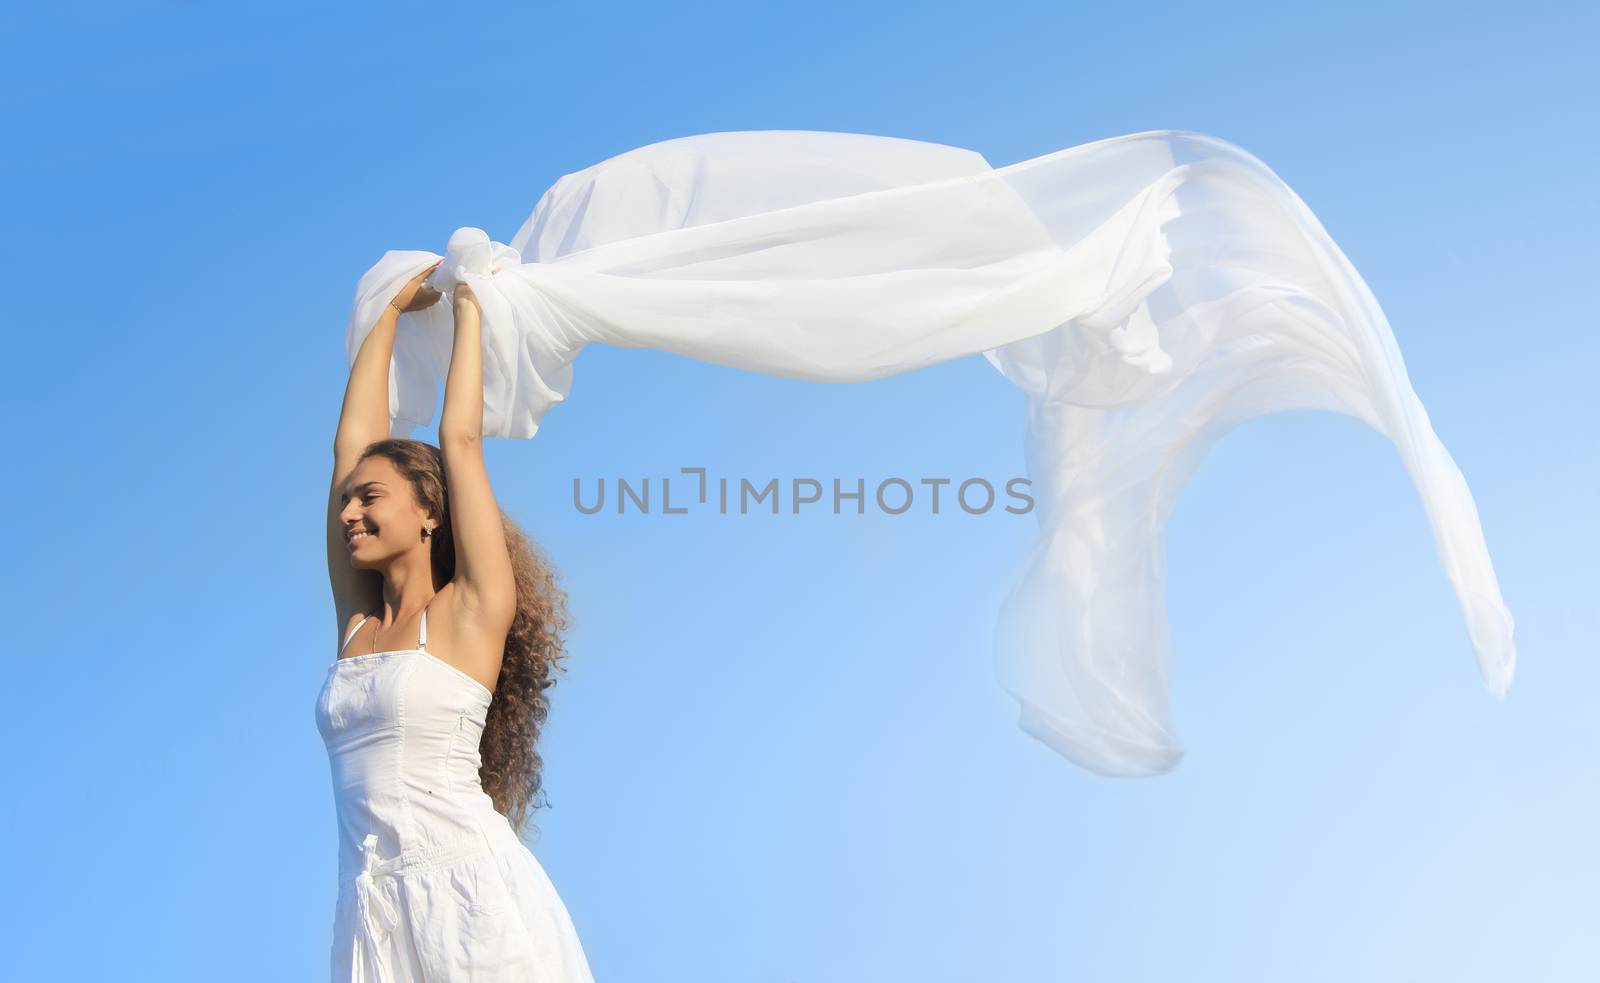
{"type": "Point", "coordinates": [377, 897]}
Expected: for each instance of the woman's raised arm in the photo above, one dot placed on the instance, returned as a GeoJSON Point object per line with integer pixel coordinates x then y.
{"type": "Point", "coordinates": [484, 580]}
{"type": "Point", "coordinates": [363, 419]}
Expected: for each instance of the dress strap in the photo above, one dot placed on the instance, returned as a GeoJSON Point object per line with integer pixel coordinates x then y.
{"type": "Point", "coordinates": [422, 640]}
{"type": "Point", "coordinates": [353, 632]}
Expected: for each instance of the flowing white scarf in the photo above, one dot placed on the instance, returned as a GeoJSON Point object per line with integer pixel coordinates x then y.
{"type": "Point", "coordinates": [1147, 293]}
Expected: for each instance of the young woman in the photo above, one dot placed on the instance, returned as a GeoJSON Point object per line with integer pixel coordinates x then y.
{"type": "Point", "coordinates": [449, 629]}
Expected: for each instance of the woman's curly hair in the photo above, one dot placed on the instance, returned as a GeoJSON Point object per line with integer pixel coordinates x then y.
{"type": "Point", "coordinates": [511, 770]}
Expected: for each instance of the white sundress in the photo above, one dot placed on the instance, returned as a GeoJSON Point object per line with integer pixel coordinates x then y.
{"type": "Point", "coordinates": [434, 883]}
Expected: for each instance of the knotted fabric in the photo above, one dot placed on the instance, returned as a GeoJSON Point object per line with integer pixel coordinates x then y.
{"type": "Point", "coordinates": [1147, 293]}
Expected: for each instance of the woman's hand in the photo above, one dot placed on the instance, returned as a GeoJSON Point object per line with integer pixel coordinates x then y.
{"type": "Point", "coordinates": [465, 295]}
{"type": "Point", "coordinates": [414, 296]}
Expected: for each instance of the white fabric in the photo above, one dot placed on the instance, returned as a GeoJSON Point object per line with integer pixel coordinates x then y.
{"type": "Point", "coordinates": [1147, 293]}
{"type": "Point", "coordinates": [433, 882]}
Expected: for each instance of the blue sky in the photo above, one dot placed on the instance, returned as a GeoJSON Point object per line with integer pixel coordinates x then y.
{"type": "Point", "coordinates": [780, 752]}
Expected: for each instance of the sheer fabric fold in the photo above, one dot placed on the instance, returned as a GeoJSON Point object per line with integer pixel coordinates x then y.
{"type": "Point", "coordinates": [1146, 293]}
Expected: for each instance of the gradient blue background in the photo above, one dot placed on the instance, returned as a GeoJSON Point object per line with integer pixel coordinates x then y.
{"type": "Point", "coordinates": [780, 752]}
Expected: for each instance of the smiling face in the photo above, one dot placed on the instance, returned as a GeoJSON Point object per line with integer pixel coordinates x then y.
{"type": "Point", "coordinates": [380, 515]}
